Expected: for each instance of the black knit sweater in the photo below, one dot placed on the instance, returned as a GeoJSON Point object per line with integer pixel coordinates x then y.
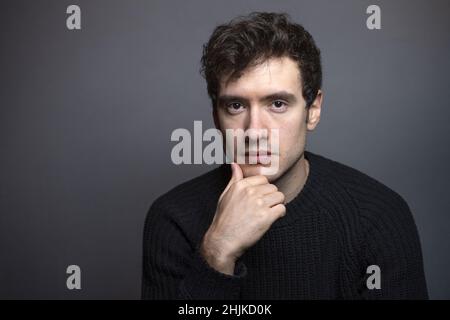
{"type": "Point", "coordinates": [340, 223]}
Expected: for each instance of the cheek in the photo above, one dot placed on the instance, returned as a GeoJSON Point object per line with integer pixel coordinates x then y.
{"type": "Point", "coordinates": [290, 134]}
{"type": "Point", "coordinates": [292, 137]}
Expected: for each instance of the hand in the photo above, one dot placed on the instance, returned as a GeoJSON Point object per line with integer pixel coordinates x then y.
{"type": "Point", "coordinates": [245, 211]}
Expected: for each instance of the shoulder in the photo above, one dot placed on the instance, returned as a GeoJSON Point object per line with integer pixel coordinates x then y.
{"type": "Point", "coordinates": [380, 211]}
{"type": "Point", "coordinates": [361, 186]}
{"type": "Point", "coordinates": [381, 221]}
{"type": "Point", "coordinates": [189, 205]}
{"type": "Point", "coordinates": [374, 200]}
{"type": "Point", "coordinates": [193, 192]}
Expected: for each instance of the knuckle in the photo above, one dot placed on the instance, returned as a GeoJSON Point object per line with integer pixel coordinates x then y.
{"type": "Point", "coordinates": [250, 191]}
{"type": "Point", "coordinates": [259, 202]}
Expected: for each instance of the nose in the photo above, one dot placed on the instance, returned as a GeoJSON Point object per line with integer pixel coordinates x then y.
{"type": "Point", "coordinates": [256, 128]}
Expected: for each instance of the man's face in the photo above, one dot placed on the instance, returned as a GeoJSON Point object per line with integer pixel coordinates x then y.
{"type": "Point", "coordinates": [267, 96]}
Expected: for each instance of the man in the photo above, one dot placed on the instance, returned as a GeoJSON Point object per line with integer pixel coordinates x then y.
{"type": "Point", "coordinates": [314, 229]}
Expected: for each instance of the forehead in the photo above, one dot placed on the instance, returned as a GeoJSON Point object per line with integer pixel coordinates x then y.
{"type": "Point", "coordinates": [274, 74]}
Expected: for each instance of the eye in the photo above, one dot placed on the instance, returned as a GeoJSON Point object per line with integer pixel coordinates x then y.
{"type": "Point", "coordinates": [235, 107]}
{"type": "Point", "coordinates": [279, 106]}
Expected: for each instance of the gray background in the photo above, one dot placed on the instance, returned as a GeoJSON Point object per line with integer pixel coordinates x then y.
{"type": "Point", "coordinates": [86, 118]}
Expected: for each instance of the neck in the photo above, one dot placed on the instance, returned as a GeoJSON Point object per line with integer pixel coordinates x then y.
{"type": "Point", "coordinates": [293, 180]}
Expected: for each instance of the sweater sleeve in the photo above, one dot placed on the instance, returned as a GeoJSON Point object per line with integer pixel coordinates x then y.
{"type": "Point", "coordinates": [175, 269]}
{"type": "Point", "coordinates": [391, 242]}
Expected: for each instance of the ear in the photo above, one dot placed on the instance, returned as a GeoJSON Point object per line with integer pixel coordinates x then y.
{"type": "Point", "coordinates": [314, 111]}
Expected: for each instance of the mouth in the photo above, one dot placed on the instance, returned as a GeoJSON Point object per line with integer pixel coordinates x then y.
{"type": "Point", "coordinates": [258, 157]}
{"type": "Point", "coordinates": [258, 153]}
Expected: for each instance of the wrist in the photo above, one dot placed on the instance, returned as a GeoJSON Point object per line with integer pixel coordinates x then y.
{"type": "Point", "coordinates": [217, 257]}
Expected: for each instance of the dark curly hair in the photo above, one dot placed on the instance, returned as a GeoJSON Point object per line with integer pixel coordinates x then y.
{"type": "Point", "coordinates": [250, 40]}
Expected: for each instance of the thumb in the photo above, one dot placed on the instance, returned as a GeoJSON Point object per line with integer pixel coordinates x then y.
{"type": "Point", "coordinates": [236, 175]}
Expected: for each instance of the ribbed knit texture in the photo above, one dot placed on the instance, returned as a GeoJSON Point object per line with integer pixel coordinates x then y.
{"type": "Point", "coordinates": [340, 223]}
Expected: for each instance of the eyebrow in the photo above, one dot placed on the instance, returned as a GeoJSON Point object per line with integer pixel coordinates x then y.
{"type": "Point", "coordinates": [280, 95]}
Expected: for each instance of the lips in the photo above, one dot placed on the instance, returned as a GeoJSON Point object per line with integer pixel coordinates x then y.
{"type": "Point", "coordinates": [258, 153]}
{"type": "Point", "coordinates": [259, 157]}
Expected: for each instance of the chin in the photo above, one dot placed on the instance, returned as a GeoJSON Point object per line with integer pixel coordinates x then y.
{"type": "Point", "coordinates": [272, 174]}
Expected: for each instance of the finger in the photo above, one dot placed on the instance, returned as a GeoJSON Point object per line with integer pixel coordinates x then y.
{"type": "Point", "coordinates": [236, 175]}
{"type": "Point", "coordinates": [274, 198]}
{"type": "Point", "coordinates": [256, 180]}
{"type": "Point", "coordinates": [278, 211]}
{"type": "Point", "coordinates": [264, 189]}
